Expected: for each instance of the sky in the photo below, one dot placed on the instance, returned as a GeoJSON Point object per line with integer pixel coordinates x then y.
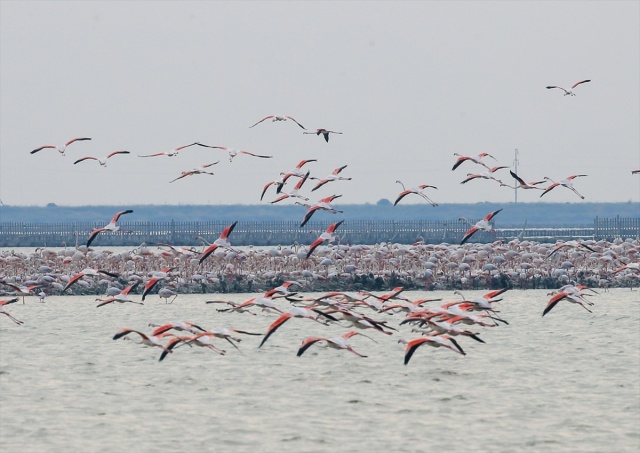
{"type": "Point", "coordinates": [407, 83]}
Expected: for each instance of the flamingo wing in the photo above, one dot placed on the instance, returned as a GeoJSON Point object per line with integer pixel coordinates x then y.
{"type": "Point", "coordinates": [85, 158]}
{"type": "Point", "coordinates": [76, 140]}
{"type": "Point", "coordinates": [41, 148]}
{"type": "Point", "coordinates": [411, 348]}
{"type": "Point", "coordinates": [94, 234]}
{"type": "Point", "coordinates": [308, 342]}
{"type": "Point", "coordinates": [308, 215]}
{"type": "Point", "coordinates": [578, 83]}
{"type": "Point", "coordinates": [314, 245]}
{"type": "Point", "coordinates": [117, 152]}
{"type": "Point", "coordinates": [255, 155]}
{"type": "Point", "coordinates": [227, 231]}
{"type": "Point", "coordinates": [275, 326]}
{"type": "Point", "coordinates": [468, 234]}
{"type": "Point", "coordinates": [517, 178]}
{"type": "Point", "coordinates": [121, 213]}
{"type": "Point", "coordinates": [209, 250]}
{"type": "Point", "coordinates": [288, 117]}
{"type": "Point", "coordinates": [491, 215]}
{"type": "Point", "coordinates": [263, 119]}
{"type": "Point", "coordinates": [402, 195]}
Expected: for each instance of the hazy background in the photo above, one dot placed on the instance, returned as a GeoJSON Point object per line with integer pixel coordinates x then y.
{"type": "Point", "coordinates": [408, 84]}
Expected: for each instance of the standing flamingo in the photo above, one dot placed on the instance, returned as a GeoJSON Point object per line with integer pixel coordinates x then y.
{"type": "Point", "coordinates": [62, 148]}
{"type": "Point", "coordinates": [568, 92]}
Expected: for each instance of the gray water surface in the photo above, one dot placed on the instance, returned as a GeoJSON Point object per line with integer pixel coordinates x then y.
{"type": "Point", "coordinates": [568, 382]}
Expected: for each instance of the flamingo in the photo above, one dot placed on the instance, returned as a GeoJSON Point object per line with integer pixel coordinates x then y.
{"type": "Point", "coordinates": [275, 118]}
{"type": "Point", "coordinates": [417, 190]}
{"type": "Point", "coordinates": [522, 184]}
{"type": "Point", "coordinates": [573, 244]}
{"type": "Point", "coordinates": [234, 152]}
{"type": "Point", "coordinates": [4, 312]}
{"type": "Point", "coordinates": [276, 182]}
{"type": "Point", "coordinates": [326, 236]}
{"type": "Point", "coordinates": [631, 266]}
{"type": "Point", "coordinates": [566, 182]}
{"type": "Point", "coordinates": [294, 312]}
{"type": "Point", "coordinates": [485, 175]}
{"type": "Point", "coordinates": [111, 226]}
{"type": "Point", "coordinates": [183, 326]}
{"type": "Point", "coordinates": [294, 191]}
{"type": "Point", "coordinates": [225, 333]}
{"type": "Point", "coordinates": [102, 162]}
{"type": "Point", "coordinates": [155, 278]}
{"type": "Point", "coordinates": [22, 290]}
{"type": "Point", "coordinates": [297, 171]}
{"type": "Point", "coordinates": [571, 296]}
{"type": "Point", "coordinates": [196, 171]}
{"type": "Point", "coordinates": [222, 241]}
{"type": "Point", "coordinates": [334, 176]}
{"type": "Point", "coordinates": [120, 297]}
{"type": "Point", "coordinates": [483, 302]}
{"type": "Point", "coordinates": [335, 343]}
{"type": "Point", "coordinates": [322, 204]}
{"type": "Point", "coordinates": [482, 224]}
{"type": "Point", "coordinates": [325, 133]}
{"type": "Point", "coordinates": [84, 272]}
{"type": "Point", "coordinates": [435, 341]}
{"type": "Point", "coordinates": [568, 92]}
{"type": "Point", "coordinates": [62, 148]}
{"type": "Point", "coordinates": [153, 341]}
{"type": "Point", "coordinates": [474, 159]}
{"type": "Point", "coordinates": [173, 152]}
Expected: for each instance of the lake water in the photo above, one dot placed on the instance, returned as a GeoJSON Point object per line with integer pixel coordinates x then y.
{"type": "Point", "coordinates": [568, 382]}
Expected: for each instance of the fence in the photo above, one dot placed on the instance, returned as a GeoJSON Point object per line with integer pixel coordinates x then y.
{"type": "Point", "coordinates": [265, 233]}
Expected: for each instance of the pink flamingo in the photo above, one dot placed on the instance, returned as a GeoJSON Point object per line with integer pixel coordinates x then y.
{"type": "Point", "coordinates": [482, 224]}
{"type": "Point", "coordinates": [325, 133]}
{"type": "Point", "coordinates": [566, 182]}
{"type": "Point", "coordinates": [222, 241]}
{"type": "Point", "coordinates": [326, 236]}
{"type": "Point", "coordinates": [111, 226]}
{"type": "Point", "coordinates": [568, 92]}
{"type": "Point", "coordinates": [275, 118]}
{"type": "Point", "coordinates": [102, 162]}
{"type": "Point", "coordinates": [61, 149]}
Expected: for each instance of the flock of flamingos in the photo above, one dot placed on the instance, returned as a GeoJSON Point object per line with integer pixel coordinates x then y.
{"type": "Point", "coordinates": [170, 270]}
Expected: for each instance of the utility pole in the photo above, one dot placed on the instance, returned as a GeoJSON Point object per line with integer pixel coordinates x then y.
{"type": "Point", "coordinates": [515, 170]}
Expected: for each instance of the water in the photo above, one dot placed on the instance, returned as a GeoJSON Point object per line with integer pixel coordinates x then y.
{"type": "Point", "coordinates": [568, 382]}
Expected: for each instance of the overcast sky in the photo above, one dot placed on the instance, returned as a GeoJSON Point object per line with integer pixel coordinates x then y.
{"type": "Point", "coordinates": [408, 83]}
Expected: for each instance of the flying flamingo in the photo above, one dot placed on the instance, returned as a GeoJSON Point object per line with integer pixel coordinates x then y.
{"type": "Point", "coordinates": [111, 226]}
{"type": "Point", "coordinates": [566, 182]}
{"type": "Point", "coordinates": [335, 343]}
{"type": "Point", "coordinates": [522, 184]}
{"type": "Point", "coordinates": [294, 191]}
{"type": "Point", "coordinates": [276, 182]}
{"type": "Point", "coordinates": [485, 175]}
{"type": "Point", "coordinates": [483, 225]}
{"type": "Point", "coordinates": [61, 149]}
{"type": "Point", "coordinates": [297, 171]}
{"type": "Point", "coordinates": [325, 133]}
{"type": "Point", "coordinates": [196, 171]}
{"type": "Point", "coordinates": [474, 159]}
{"type": "Point", "coordinates": [417, 190]}
{"type": "Point", "coordinates": [334, 176]}
{"type": "Point", "coordinates": [573, 244]}
{"type": "Point", "coordinates": [222, 241]}
{"type": "Point", "coordinates": [294, 312]}
{"type": "Point", "coordinates": [571, 296]}
{"type": "Point", "coordinates": [155, 278]}
{"type": "Point", "coordinates": [568, 92]}
{"type": "Point", "coordinates": [183, 326]}
{"type": "Point", "coordinates": [84, 272]}
{"type": "Point", "coordinates": [436, 341]}
{"type": "Point", "coordinates": [102, 162]}
{"type": "Point", "coordinates": [322, 204]}
{"type": "Point", "coordinates": [22, 290]}
{"type": "Point", "coordinates": [4, 312]}
{"type": "Point", "coordinates": [274, 118]}
{"type": "Point", "coordinates": [173, 152]}
{"type": "Point", "coordinates": [326, 236]}
{"type": "Point", "coordinates": [120, 297]}
{"type": "Point", "coordinates": [150, 340]}
{"type": "Point", "coordinates": [234, 152]}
